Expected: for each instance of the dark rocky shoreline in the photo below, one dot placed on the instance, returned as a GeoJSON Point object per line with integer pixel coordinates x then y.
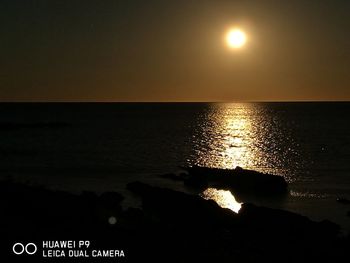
{"type": "Point", "coordinates": [171, 226]}
{"type": "Point", "coordinates": [240, 181]}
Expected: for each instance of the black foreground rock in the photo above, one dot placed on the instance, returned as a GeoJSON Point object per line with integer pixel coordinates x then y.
{"type": "Point", "coordinates": [171, 226]}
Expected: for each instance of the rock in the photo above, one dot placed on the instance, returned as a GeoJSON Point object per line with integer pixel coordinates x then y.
{"type": "Point", "coordinates": [240, 180]}
{"type": "Point", "coordinates": [343, 201]}
{"type": "Point", "coordinates": [193, 211]}
{"type": "Point", "coordinates": [280, 222]}
{"type": "Point", "coordinates": [180, 208]}
{"type": "Point", "coordinates": [178, 226]}
{"type": "Point", "coordinates": [112, 199]}
{"type": "Point", "coordinates": [173, 177]}
{"type": "Point", "coordinates": [196, 181]}
{"type": "Point", "coordinates": [108, 208]}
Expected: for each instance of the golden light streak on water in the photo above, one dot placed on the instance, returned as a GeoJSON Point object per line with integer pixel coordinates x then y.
{"type": "Point", "coordinates": [229, 133]}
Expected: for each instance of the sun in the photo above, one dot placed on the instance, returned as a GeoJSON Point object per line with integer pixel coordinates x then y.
{"type": "Point", "coordinates": [236, 38]}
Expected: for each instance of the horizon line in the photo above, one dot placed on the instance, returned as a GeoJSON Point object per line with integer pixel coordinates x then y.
{"type": "Point", "coordinates": [171, 101]}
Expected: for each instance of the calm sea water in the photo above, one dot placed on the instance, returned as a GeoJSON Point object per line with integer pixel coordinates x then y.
{"type": "Point", "coordinates": [103, 146]}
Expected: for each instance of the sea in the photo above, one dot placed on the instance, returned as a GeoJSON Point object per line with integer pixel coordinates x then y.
{"type": "Point", "coordinates": [103, 146]}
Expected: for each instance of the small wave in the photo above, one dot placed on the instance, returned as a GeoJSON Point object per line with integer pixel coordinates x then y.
{"type": "Point", "coordinates": [308, 194]}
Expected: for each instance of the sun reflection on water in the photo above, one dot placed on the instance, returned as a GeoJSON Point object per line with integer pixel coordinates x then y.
{"type": "Point", "coordinates": [250, 135]}
{"type": "Point", "coordinates": [229, 134]}
{"type": "Point", "coordinates": [223, 198]}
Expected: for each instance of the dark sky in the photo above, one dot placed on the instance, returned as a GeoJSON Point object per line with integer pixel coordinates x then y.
{"type": "Point", "coordinates": [137, 50]}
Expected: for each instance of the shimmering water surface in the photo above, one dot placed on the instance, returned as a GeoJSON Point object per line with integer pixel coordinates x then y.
{"type": "Point", "coordinates": [245, 135]}
{"type": "Point", "coordinates": [103, 146]}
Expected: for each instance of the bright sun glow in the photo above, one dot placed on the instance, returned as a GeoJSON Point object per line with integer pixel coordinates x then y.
{"type": "Point", "coordinates": [236, 38]}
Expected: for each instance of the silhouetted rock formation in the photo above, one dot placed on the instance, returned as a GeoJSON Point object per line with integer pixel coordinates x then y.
{"type": "Point", "coordinates": [171, 226]}
{"type": "Point", "coordinates": [239, 180]}
{"type": "Point", "coordinates": [174, 206]}
{"type": "Point", "coordinates": [180, 207]}
{"type": "Point", "coordinates": [264, 232]}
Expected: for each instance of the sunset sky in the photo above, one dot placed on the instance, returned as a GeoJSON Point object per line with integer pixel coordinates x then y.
{"type": "Point", "coordinates": [141, 50]}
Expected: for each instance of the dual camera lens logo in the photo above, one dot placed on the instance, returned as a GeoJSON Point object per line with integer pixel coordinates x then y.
{"type": "Point", "coordinates": [20, 248]}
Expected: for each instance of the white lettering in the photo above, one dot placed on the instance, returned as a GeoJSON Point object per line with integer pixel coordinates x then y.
{"type": "Point", "coordinates": [78, 253]}
{"type": "Point", "coordinates": [53, 253]}
{"type": "Point", "coordinates": [108, 253]}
